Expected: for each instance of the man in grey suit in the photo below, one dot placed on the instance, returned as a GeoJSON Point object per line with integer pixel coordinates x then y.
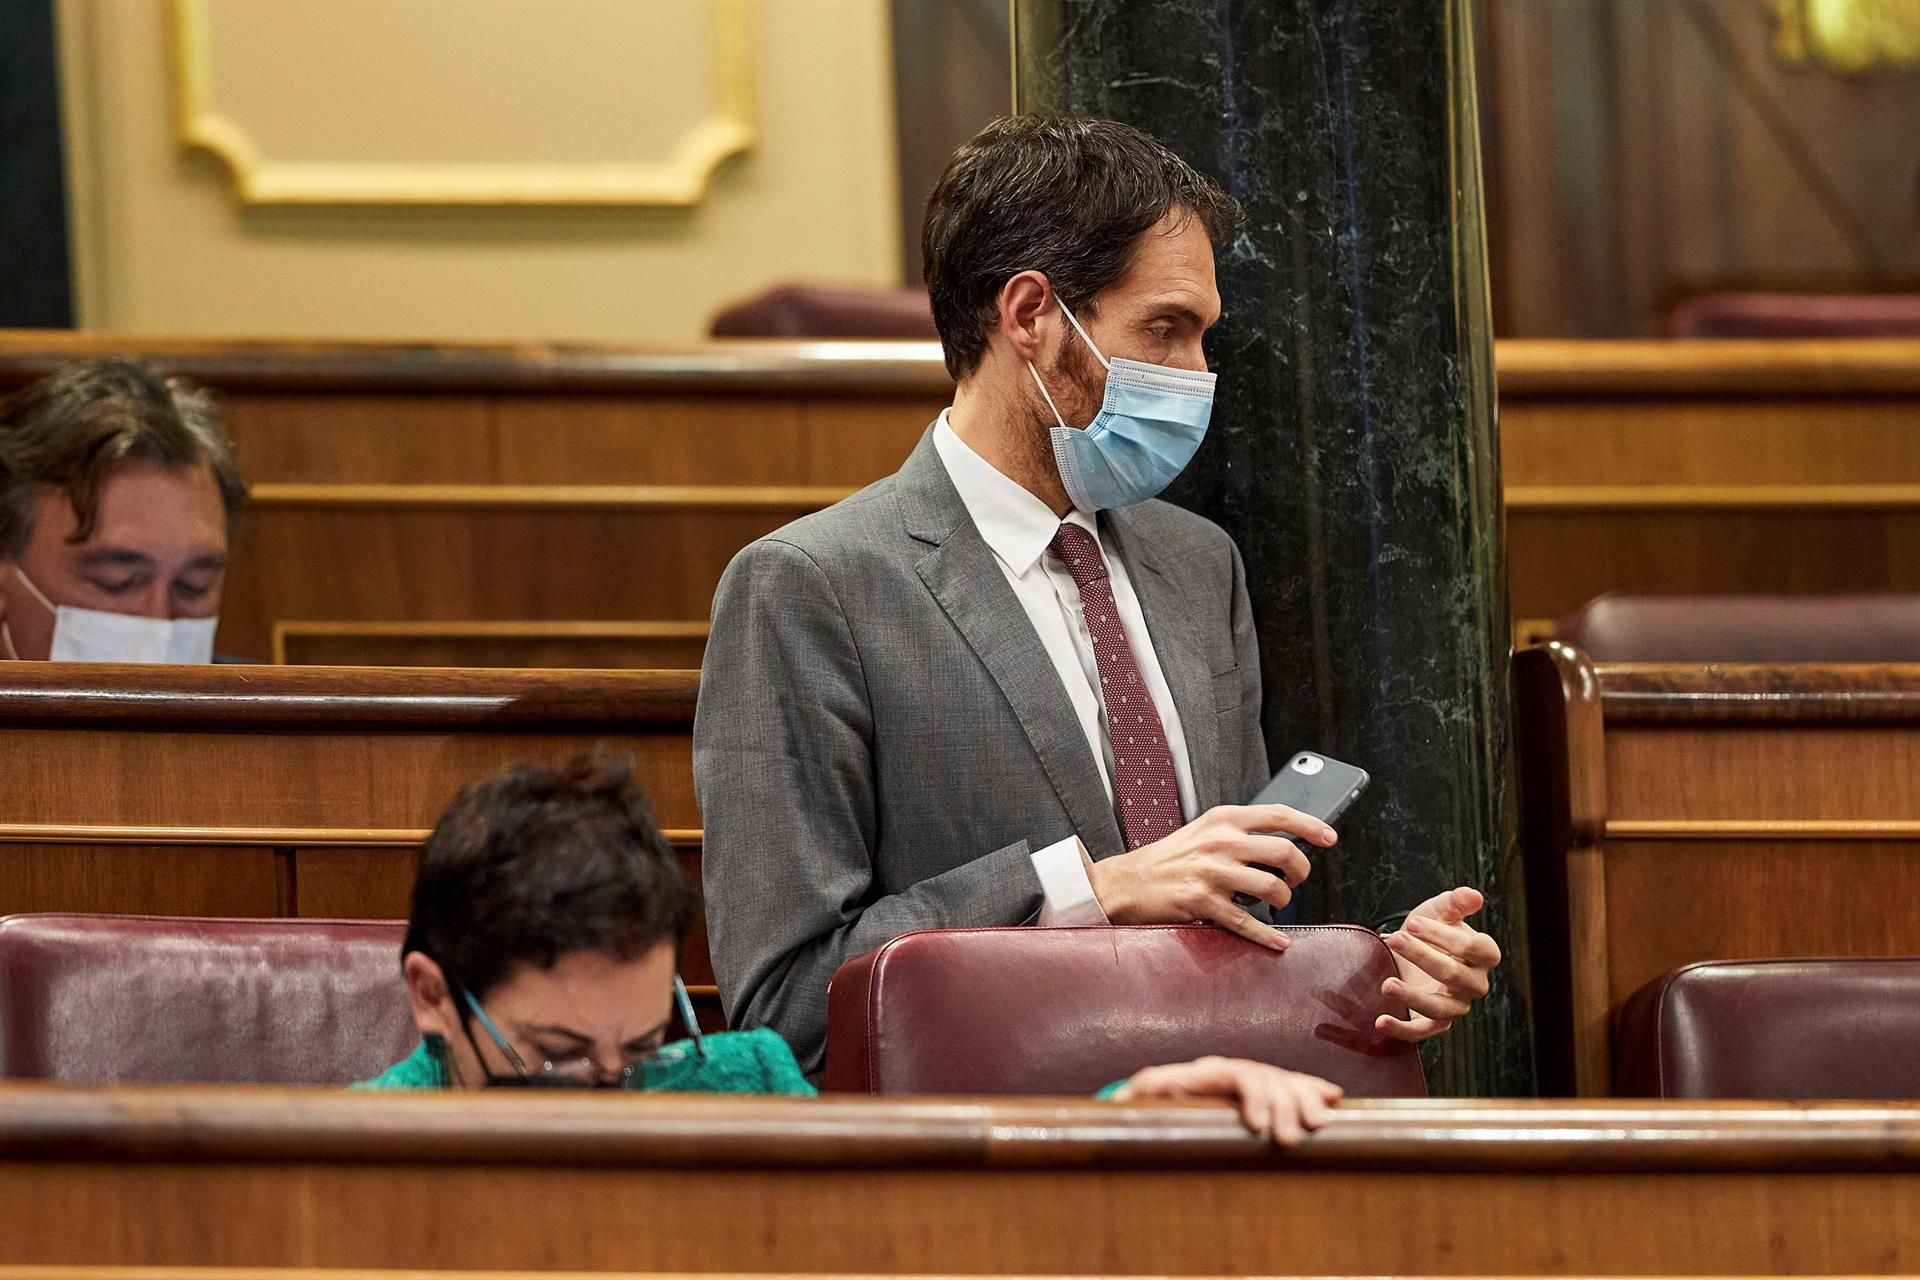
{"type": "Point", "coordinates": [1004, 685]}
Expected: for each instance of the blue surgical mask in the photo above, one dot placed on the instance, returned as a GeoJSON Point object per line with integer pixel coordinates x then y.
{"type": "Point", "coordinates": [1151, 421]}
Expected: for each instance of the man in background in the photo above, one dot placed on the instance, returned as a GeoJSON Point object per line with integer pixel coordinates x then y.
{"type": "Point", "coordinates": [118, 491]}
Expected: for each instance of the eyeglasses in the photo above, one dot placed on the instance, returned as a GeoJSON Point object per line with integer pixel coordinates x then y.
{"type": "Point", "coordinates": [571, 1073]}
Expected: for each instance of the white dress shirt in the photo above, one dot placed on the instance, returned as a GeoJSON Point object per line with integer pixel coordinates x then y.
{"type": "Point", "coordinates": [1017, 527]}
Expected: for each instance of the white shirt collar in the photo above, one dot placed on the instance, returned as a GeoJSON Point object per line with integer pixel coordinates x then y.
{"type": "Point", "coordinates": [1014, 523]}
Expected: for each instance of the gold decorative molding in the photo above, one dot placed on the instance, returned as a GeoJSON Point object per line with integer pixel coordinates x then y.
{"type": "Point", "coordinates": [1532, 631]}
{"type": "Point", "coordinates": [679, 181]}
{"type": "Point", "coordinates": [1849, 37]}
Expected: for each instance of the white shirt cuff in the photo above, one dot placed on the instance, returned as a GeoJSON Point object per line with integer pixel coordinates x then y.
{"type": "Point", "coordinates": [1068, 890]}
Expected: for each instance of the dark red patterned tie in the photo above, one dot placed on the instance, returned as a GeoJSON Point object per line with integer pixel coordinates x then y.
{"type": "Point", "coordinates": [1146, 792]}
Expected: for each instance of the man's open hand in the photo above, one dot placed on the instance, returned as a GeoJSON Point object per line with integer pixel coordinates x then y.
{"type": "Point", "coordinates": [1444, 963]}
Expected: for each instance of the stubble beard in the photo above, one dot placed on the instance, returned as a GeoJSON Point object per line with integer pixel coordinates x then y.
{"type": "Point", "coordinates": [1077, 389]}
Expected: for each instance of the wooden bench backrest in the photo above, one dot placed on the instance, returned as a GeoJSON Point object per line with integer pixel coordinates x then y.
{"type": "Point", "coordinates": [1682, 813]}
{"type": "Point", "coordinates": [290, 791]}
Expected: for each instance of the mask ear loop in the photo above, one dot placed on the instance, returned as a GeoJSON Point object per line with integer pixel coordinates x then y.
{"type": "Point", "coordinates": [1084, 338]}
{"type": "Point", "coordinates": [1083, 335]}
{"type": "Point", "coordinates": [1043, 391]}
{"type": "Point", "coordinates": [34, 589]}
{"type": "Point", "coordinates": [6, 628]}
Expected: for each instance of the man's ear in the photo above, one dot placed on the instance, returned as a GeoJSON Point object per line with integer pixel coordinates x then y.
{"type": "Point", "coordinates": [429, 995]}
{"type": "Point", "coordinates": [1025, 302]}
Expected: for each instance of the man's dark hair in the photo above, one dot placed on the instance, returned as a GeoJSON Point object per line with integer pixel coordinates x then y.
{"type": "Point", "coordinates": [534, 863]}
{"type": "Point", "coordinates": [1067, 196]}
{"type": "Point", "coordinates": [72, 428]}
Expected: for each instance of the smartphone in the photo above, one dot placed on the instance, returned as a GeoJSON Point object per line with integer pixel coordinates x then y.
{"type": "Point", "coordinates": [1314, 784]}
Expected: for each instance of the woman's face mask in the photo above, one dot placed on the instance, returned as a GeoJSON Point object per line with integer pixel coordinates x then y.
{"type": "Point", "coordinates": [95, 635]}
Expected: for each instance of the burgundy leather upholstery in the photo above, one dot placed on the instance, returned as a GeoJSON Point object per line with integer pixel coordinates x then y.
{"type": "Point", "coordinates": [826, 311]}
{"type": "Point", "coordinates": [1068, 1011]}
{"type": "Point", "coordinates": [1746, 628]}
{"type": "Point", "coordinates": [1773, 1029]}
{"type": "Point", "coordinates": [1797, 315]}
{"type": "Point", "coordinates": [148, 999]}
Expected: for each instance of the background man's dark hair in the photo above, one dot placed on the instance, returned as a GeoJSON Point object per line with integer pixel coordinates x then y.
{"type": "Point", "coordinates": [533, 863]}
{"type": "Point", "coordinates": [1067, 196]}
{"type": "Point", "coordinates": [72, 428]}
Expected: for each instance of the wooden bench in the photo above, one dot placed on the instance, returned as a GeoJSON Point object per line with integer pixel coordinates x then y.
{"type": "Point", "coordinates": [291, 791]}
{"type": "Point", "coordinates": [1682, 813]}
{"type": "Point", "coordinates": [262, 1178]}
{"type": "Point", "coordinates": [468, 503]}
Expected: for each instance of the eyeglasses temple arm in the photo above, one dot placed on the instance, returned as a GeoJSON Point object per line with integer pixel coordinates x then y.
{"type": "Point", "coordinates": [685, 1002]}
{"type": "Point", "coordinates": [499, 1040]}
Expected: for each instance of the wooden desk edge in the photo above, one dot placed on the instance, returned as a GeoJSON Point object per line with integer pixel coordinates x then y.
{"type": "Point", "coordinates": [199, 1124]}
{"type": "Point", "coordinates": [244, 697]}
{"type": "Point", "coordinates": [1526, 368]}
{"type": "Point", "coordinates": [1790, 692]}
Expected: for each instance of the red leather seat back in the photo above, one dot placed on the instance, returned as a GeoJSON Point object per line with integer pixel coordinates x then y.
{"type": "Point", "coordinates": [1773, 1029]}
{"type": "Point", "coordinates": [1068, 1011]}
{"type": "Point", "coordinates": [1797, 315]}
{"type": "Point", "coordinates": [1883, 627]}
{"type": "Point", "coordinates": [145, 999]}
{"type": "Point", "coordinates": [828, 311]}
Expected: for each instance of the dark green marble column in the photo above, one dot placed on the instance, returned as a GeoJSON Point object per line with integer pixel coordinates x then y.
{"type": "Point", "coordinates": [1353, 454]}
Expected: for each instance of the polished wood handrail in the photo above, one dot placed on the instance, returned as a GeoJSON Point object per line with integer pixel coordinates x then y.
{"type": "Point", "coordinates": [134, 833]}
{"type": "Point", "coordinates": [1712, 497]}
{"type": "Point", "coordinates": [499, 628]}
{"type": "Point", "coordinates": [48, 694]}
{"type": "Point", "coordinates": [790, 499]}
{"type": "Point", "coordinates": [1899, 829]}
{"type": "Point", "coordinates": [1800, 692]}
{"type": "Point", "coordinates": [1537, 368]}
{"type": "Point", "coordinates": [168, 1272]}
{"type": "Point", "coordinates": [194, 1124]}
{"type": "Point", "coordinates": [1527, 368]}
{"type": "Point", "coordinates": [746, 367]}
{"type": "Point", "coordinates": [800, 499]}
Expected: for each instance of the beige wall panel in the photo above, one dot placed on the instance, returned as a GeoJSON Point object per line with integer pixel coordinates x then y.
{"type": "Point", "coordinates": [628, 79]}
{"type": "Point", "coordinates": [165, 245]}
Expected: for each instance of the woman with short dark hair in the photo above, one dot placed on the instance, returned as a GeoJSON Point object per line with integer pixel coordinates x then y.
{"type": "Point", "coordinates": [549, 915]}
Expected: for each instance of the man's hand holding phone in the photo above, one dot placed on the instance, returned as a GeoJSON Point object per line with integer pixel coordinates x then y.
{"type": "Point", "coordinates": [1194, 873]}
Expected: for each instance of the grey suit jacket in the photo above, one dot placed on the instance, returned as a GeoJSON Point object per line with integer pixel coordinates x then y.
{"type": "Point", "coordinates": [882, 741]}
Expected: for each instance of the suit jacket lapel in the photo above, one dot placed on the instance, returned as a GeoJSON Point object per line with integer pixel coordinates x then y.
{"type": "Point", "coordinates": [961, 573]}
{"type": "Point", "coordinates": [1176, 625]}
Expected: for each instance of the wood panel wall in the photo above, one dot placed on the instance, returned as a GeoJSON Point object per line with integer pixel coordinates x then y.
{"type": "Point", "coordinates": [520, 505]}
{"type": "Point", "coordinates": [1639, 151]}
